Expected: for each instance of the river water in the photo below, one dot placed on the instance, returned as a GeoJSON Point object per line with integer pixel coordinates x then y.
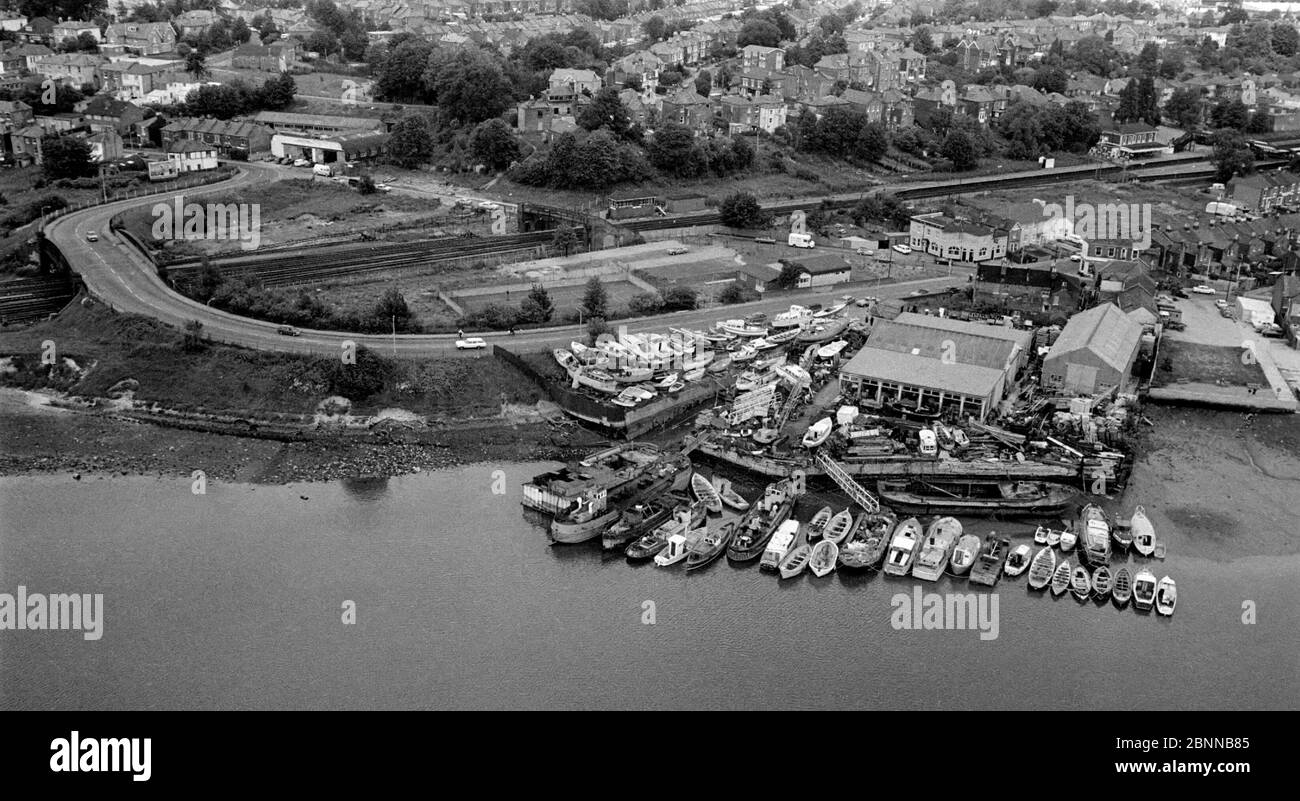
{"type": "Point", "coordinates": [234, 599]}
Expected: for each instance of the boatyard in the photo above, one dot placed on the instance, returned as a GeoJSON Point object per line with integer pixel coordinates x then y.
{"type": "Point", "coordinates": [803, 401]}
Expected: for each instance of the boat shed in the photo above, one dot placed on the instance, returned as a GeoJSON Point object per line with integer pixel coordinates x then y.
{"type": "Point", "coordinates": [924, 361]}
{"type": "Point", "coordinates": [1094, 353]}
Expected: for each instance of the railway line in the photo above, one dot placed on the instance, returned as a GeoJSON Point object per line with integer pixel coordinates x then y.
{"type": "Point", "coordinates": [27, 300]}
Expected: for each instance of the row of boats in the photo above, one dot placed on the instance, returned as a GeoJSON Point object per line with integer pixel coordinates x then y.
{"type": "Point", "coordinates": [1120, 585]}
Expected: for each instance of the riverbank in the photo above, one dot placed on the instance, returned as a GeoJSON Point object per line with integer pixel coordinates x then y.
{"type": "Point", "coordinates": [40, 438]}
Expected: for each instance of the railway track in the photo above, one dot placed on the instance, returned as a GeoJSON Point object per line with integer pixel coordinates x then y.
{"type": "Point", "coordinates": [30, 299]}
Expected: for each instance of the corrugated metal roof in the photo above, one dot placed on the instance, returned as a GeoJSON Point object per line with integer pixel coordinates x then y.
{"type": "Point", "coordinates": [1104, 330]}
{"type": "Point", "coordinates": [921, 371]}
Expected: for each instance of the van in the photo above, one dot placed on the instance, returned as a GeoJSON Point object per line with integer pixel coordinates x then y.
{"type": "Point", "coordinates": [929, 443]}
{"type": "Point", "coordinates": [323, 170]}
{"type": "Point", "coordinates": [801, 241]}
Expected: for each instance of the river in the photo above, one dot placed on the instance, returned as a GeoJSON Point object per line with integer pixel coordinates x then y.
{"type": "Point", "coordinates": [235, 599]}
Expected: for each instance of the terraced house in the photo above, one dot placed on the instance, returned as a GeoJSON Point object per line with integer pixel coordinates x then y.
{"type": "Point", "coordinates": [229, 136]}
{"type": "Point", "coordinates": [139, 38]}
{"type": "Point", "coordinates": [948, 238]}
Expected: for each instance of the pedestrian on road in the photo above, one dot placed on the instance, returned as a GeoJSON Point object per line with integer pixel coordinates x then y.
{"type": "Point", "coordinates": [460, 333]}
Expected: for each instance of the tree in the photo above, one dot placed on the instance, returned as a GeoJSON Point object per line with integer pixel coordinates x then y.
{"type": "Point", "coordinates": [923, 40]}
{"type": "Point", "coordinates": [733, 293]}
{"type": "Point", "coordinates": [703, 83]}
{"type": "Point", "coordinates": [1231, 156]}
{"type": "Point", "coordinates": [789, 276]}
{"type": "Point", "coordinates": [741, 210]}
{"type": "Point", "coordinates": [537, 306]}
{"type": "Point", "coordinates": [1149, 57]}
{"type": "Point", "coordinates": [469, 85]}
{"type": "Point", "coordinates": [596, 328]}
{"type": "Point", "coordinates": [195, 65]}
{"type": "Point", "coordinates": [645, 303]}
{"type": "Point", "coordinates": [1184, 108]}
{"type": "Point", "coordinates": [654, 28]}
{"type": "Point", "coordinates": [366, 185]}
{"type": "Point", "coordinates": [210, 279]}
{"type": "Point", "coordinates": [65, 157]}
{"type": "Point", "coordinates": [680, 298]}
{"type": "Point", "coordinates": [595, 300]}
{"type": "Point", "coordinates": [494, 144]}
{"type": "Point", "coordinates": [360, 380]}
{"type": "Point", "coordinates": [1285, 39]}
{"type": "Point", "coordinates": [277, 93]}
{"type": "Point", "coordinates": [607, 111]}
{"type": "Point", "coordinates": [193, 339]}
{"type": "Point", "coordinates": [401, 75]}
{"type": "Point", "coordinates": [411, 144]}
{"type": "Point", "coordinates": [960, 150]}
{"type": "Point", "coordinates": [564, 240]}
{"type": "Point", "coordinates": [1230, 113]}
{"type": "Point", "coordinates": [670, 149]}
{"type": "Point", "coordinates": [759, 32]}
{"type": "Point", "coordinates": [391, 311]}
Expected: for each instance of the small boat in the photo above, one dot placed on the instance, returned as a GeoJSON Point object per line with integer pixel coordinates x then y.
{"type": "Point", "coordinates": [795, 561]}
{"type": "Point", "coordinates": [693, 375]}
{"type": "Point", "coordinates": [866, 543]}
{"type": "Point", "coordinates": [988, 565]}
{"type": "Point", "coordinates": [673, 552]}
{"type": "Point", "coordinates": [677, 387]}
{"type": "Point", "coordinates": [1080, 583]}
{"type": "Point", "coordinates": [1061, 577]}
{"type": "Point", "coordinates": [1123, 537]}
{"type": "Point", "coordinates": [823, 330]}
{"type": "Point", "coordinates": [817, 526]}
{"type": "Point", "coordinates": [796, 317]}
{"type": "Point", "coordinates": [1040, 536]}
{"type": "Point", "coordinates": [832, 350]}
{"type": "Point", "coordinates": [642, 391]}
{"type": "Point", "coordinates": [1093, 531]}
{"type": "Point", "coordinates": [902, 547]}
{"type": "Point", "coordinates": [1144, 534]}
{"type": "Point", "coordinates": [706, 494]}
{"type": "Point", "coordinates": [730, 497]}
{"type": "Point", "coordinates": [838, 528]}
{"type": "Point", "coordinates": [598, 380]}
{"type": "Point", "coordinates": [782, 338]}
{"type": "Point", "coordinates": [1102, 582]}
{"type": "Point", "coordinates": [959, 437]}
{"type": "Point", "coordinates": [1123, 587]}
{"type": "Point", "coordinates": [666, 382]}
{"type": "Point", "coordinates": [1166, 596]}
{"type": "Point", "coordinates": [1144, 590]}
{"type": "Point", "coordinates": [780, 545]}
{"type": "Point", "coordinates": [705, 550]}
{"type": "Point", "coordinates": [1053, 537]}
{"type": "Point", "coordinates": [650, 544]}
{"type": "Point", "coordinates": [763, 344]}
{"type": "Point", "coordinates": [818, 432]}
{"type": "Point", "coordinates": [824, 556]}
{"type": "Point", "coordinates": [742, 328]}
{"type": "Point", "coordinates": [921, 413]}
{"type": "Point", "coordinates": [1068, 539]}
{"type": "Point", "coordinates": [1041, 569]}
{"type": "Point", "coordinates": [963, 556]}
{"type": "Point", "coordinates": [750, 380]}
{"type": "Point", "coordinates": [719, 365]}
{"type": "Point", "coordinates": [636, 521]}
{"type": "Point", "coordinates": [743, 354]}
{"type": "Point", "coordinates": [566, 359]}
{"type": "Point", "coordinates": [625, 401]}
{"type": "Point", "coordinates": [940, 538]}
{"type": "Point", "coordinates": [1018, 561]}
{"type": "Point", "coordinates": [631, 375]}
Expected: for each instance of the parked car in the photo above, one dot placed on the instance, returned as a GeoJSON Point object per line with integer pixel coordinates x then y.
{"type": "Point", "coordinates": [1202, 289]}
{"type": "Point", "coordinates": [470, 343]}
{"type": "Point", "coordinates": [1075, 257]}
{"type": "Point", "coordinates": [865, 252]}
{"type": "Point", "coordinates": [302, 162]}
{"type": "Point", "coordinates": [678, 251]}
{"type": "Point", "coordinates": [1270, 330]}
{"type": "Point", "coordinates": [904, 249]}
{"type": "Point", "coordinates": [288, 331]}
{"type": "Point", "coordinates": [1221, 303]}
{"type": "Point", "coordinates": [92, 237]}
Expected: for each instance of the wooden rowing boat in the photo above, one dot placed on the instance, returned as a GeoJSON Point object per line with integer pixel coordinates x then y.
{"type": "Point", "coordinates": [824, 556]}
{"type": "Point", "coordinates": [1081, 583]}
{"type": "Point", "coordinates": [1061, 577]}
{"type": "Point", "coordinates": [706, 493]}
{"type": "Point", "coordinates": [1123, 587]}
{"type": "Point", "coordinates": [1041, 569]}
{"type": "Point", "coordinates": [838, 528]}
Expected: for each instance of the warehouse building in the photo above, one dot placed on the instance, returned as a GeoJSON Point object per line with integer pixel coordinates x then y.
{"type": "Point", "coordinates": [1094, 353]}
{"type": "Point", "coordinates": [918, 361]}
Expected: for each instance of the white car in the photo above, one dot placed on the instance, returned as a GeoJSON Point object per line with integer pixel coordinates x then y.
{"type": "Point", "coordinates": [302, 162]}
{"type": "Point", "coordinates": [470, 343]}
{"type": "Point", "coordinates": [1075, 257]}
{"type": "Point", "coordinates": [1221, 303]}
{"type": "Point", "coordinates": [1202, 289]}
{"type": "Point", "coordinates": [904, 249]}
{"type": "Point", "coordinates": [92, 237]}
{"type": "Point", "coordinates": [865, 252]}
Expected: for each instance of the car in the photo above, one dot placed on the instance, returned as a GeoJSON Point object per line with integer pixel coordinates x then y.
{"type": "Point", "coordinates": [92, 237]}
{"type": "Point", "coordinates": [383, 187]}
{"type": "Point", "coordinates": [1271, 330]}
{"type": "Point", "coordinates": [1221, 303]}
{"type": "Point", "coordinates": [846, 298]}
{"type": "Point", "coordinates": [764, 240]}
{"type": "Point", "coordinates": [302, 162]}
{"type": "Point", "coordinates": [470, 343]}
{"type": "Point", "coordinates": [865, 252]}
{"type": "Point", "coordinates": [678, 251]}
{"type": "Point", "coordinates": [487, 205]}
{"type": "Point", "coordinates": [916, 292]}
{"type": "Point", "coordinates": [288, 331]}
{"type": "Point", "coordinates": [904, 249]}
{"type": "Point", "coordinates": [1075, 257]}
{"type": "Point", "coordinates": [1202, 289]}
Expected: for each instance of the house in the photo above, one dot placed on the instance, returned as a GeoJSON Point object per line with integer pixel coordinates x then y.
{"type": "Point", "coordinates": [1027, 288]}
{"type": "Point", "coordinates": [132, 80]}
{"type": "Point", "coordinates": [948, 238]}
{"type": "Point", "coordinates": [104, 146]}
{"type": "Point", "coordinates": [277, 57]}
{"type": "Point", "coordinates": [230, 136]}
{"type": "Point", "coordinates": [574, 81]}
{"type": "Point", "coordinates": [195, 23]}
{"type": "Point", "coordinates": [106, 113]}
{"type": "Point", "coordinates": [38, 30]}
{"type": "Point", "coordinates": [30, 53]}
{"type": "Point", "coordinates": [191, 156]}
{"type": "Point", "coordinates": [72, 29]}
{"type": "Point", "coordinates": [1094, 353]}
{"type": "Point", "coordinates": [823, 270]}
{"type": "Point", "coordinates": [1286, 304]}
{"type": "Point", "coordinates": [687, 107]}
{"type": "Point", "coordinates": [642, 64]}
{"type": "Point", "coordinates": [758, 57]}
{"type": "Point", "coordinates": [71, 69]}
{"type": "Point", "coordinates": [11, 63]}
{"type": "Point", "coordinates": [139, 38]}
{"type": "Point", "coordinates": [1266, 191]}
{"type": "Point", "coordinates": [15, 114]}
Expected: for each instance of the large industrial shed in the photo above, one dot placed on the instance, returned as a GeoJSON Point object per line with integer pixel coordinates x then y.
{"type": "Point", "coordinates": [1094, 353]}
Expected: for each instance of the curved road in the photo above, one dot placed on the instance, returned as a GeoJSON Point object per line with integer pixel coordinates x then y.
{"type": "Point", "coordinates": [118, 275]}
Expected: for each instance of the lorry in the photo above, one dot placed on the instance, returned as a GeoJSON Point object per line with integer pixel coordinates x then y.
{"type": "Point", "coordinates": [801, 241]}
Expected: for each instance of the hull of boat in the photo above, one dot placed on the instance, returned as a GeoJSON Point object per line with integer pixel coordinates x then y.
{"type": "Point", "coordinates": [824, 557]}
{"type": "Point", "coordinates": [1041, 569]}
{"type": "Point", "coordinates": [769, 523]}
{"type": "Point", "coordinates": [569, 533]}
{"type": "Point", "coordinates": [912, 503]}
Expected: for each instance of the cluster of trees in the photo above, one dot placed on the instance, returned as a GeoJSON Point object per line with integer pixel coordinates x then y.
{"type": "Point", "coordinates": [741, 210]}
{"type": "Point", "coordinates": [1033, 131]}
{"type": "Point", "coordinates": [341, 31]}
{"type": "Point", "coordinates": [65, 97]}
{"type": "Point", "coordinates": [842, 133]}
{"type": "Point", "coordinates": [675, 150]}
{"type": "Point", "coordinates": [232, 99]}
{"type": "Point", "coordinates": [245, 295]}
{"type": "Point", "coordinates": [1254, 46]}
{"type": "Point", "coordinates": [767, 28]}
{"type": "Point", "coordinates": [65, 157]}
{"type": "Point", "coordinates": [29, 211]}
{"type": "Point", "coordinates": [1138, 101]}
{"type": "Point", "coordinates": [593, 161]}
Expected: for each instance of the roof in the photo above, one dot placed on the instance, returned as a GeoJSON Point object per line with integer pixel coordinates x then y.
{"type": "Point", "coordinates": [922, 371]}
{"type": "Point", "coordinates": [968, 343]}
{"type": "Point", "coordinates": [1105, 330]}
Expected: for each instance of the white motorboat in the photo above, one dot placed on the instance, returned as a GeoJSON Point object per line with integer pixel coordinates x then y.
{"type": "Point", "coordinates": [818, 432]}
{"type": "Point", "coordinates": [1144, 590]}
{"type": "Point", "coordinates": [936, 550]}
{"type": "Point", "coordinates": [1166, 596]}
{"type": "Point", "coordinates": [902, 547]}
{"type": "Point", "coordinates": [1144, 534]}
{"type": "Point", "coordinates": [832, 350]}
{"type": "Point", "coordinates": [742, 328]}
{"type": "Point", "coordinates": [1018, 561]}
{"type": "Point", "coordinates": [796, 316]}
